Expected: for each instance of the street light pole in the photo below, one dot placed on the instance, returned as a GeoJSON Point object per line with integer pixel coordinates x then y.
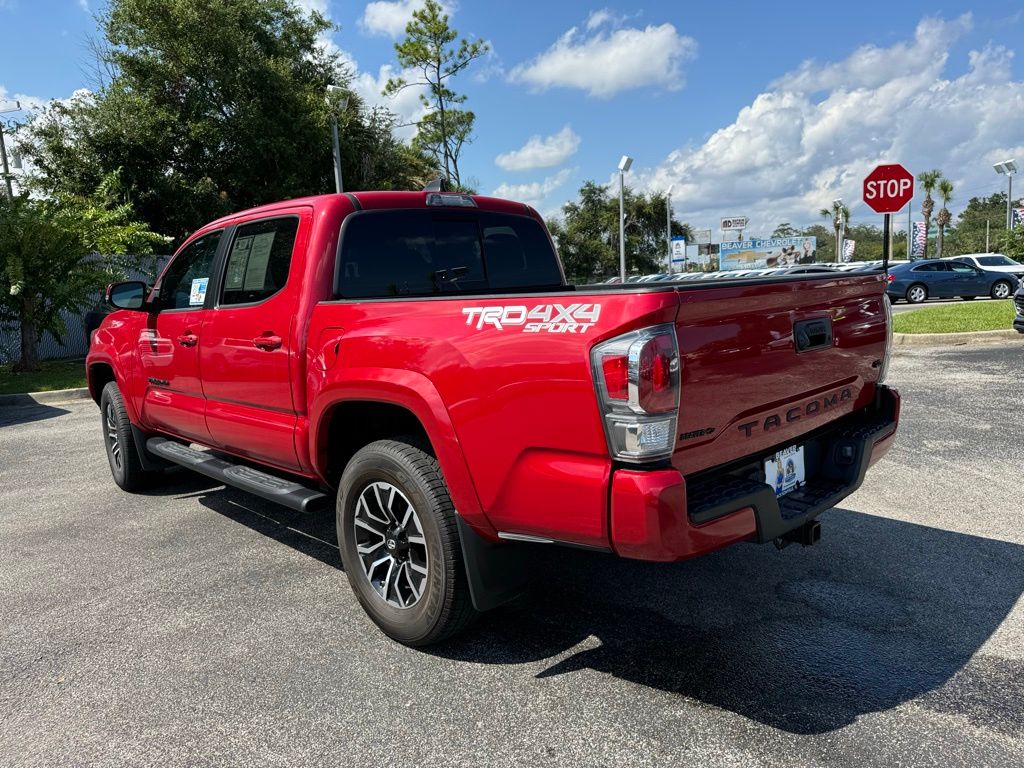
{"type": "Point", "coordinates": [624, 165]}
{"type": "Point", "coordinates": [1008, 168]}
{"type": "Point", "coordinates": [668, 224]}
{"type": "Point", "coordinates": [341, 106]}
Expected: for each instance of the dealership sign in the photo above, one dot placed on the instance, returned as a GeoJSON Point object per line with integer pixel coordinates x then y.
{"type": "Point", "coordinates": [735, 222]}
{"type": "Point", "coordinates": [767, 253]}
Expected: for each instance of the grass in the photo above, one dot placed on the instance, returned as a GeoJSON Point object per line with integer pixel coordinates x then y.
{"type": "Point", "coordinates": [979, 315]}
{"type": "Point", "coordinates": [54, 374]}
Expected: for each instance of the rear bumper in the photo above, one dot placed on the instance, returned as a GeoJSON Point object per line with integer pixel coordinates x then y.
{"type": "Point", "coordinates": [661, 515]}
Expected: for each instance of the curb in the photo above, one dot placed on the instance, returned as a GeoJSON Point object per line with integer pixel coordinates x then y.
{"type": "Point", "coordinates": [954, 339]}
{"type": "Point", "coordinates": [44, 398]}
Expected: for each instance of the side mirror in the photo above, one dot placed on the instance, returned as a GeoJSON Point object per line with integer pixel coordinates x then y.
{"type": "Point", "coordinates": [128, 295]}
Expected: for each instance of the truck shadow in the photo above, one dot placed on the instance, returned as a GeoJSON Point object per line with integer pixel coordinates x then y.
{"type": "Point", "coordinates": [804, 640]}
{"type": "Point", "coordinates": [880, 613]}
{"type": "Point", "coordinates": [25, 410]}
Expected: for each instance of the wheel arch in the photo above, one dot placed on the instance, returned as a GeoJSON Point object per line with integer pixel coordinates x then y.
{"type": "Point", "coordinates": [98, 375]}
{"type": "Point", "coordinates": [352, 414]}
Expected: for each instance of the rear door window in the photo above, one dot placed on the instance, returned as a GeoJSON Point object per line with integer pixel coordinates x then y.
{"type": "Point", "coordinates": [258, 263]}
{"type": "Point", "coordinates": [425, 253]}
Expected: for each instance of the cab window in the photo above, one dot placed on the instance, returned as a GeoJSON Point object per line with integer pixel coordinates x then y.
{"type": "Point", "coordinates": [257, 265]}
{"type": "Point", "coordinates": [183, 285]}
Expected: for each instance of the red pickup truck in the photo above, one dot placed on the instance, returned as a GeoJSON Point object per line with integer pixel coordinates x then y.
{"type": "Point", "coordinates": [418, 358]}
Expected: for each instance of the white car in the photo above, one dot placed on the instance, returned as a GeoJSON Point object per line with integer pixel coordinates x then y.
{"type": "Point", "coordinates": [991, 262]}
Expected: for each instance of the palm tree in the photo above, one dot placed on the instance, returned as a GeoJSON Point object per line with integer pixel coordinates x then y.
{"type": "Point", "coordinates": [838, 213]}
{"type": "Point", "coordinates": [943, 218]}
{"type": "Point", "coordinates": [929, 180]}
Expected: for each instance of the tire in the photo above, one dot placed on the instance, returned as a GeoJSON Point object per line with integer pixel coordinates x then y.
{"type": "Point", "coordinates": [122, 453]}
{"type": "Point", "coordinates": [393, 503]}
{"type": "Point", "coordinates": [916, 293]}
{"type": "Point", "coordinates": [968, 298]}
{"type": "Point", "coordinates": [1002, 289]}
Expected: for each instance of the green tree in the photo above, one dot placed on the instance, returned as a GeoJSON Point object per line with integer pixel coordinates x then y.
{"type": "Point", "coordinates": [56, 252]}
{"type": "Point", "coordinates": [588, 233]}
{"type": "Point", "coordinates": [968, 233]}
{"type": "Point", "coordinates": [1012, 243]}
{"type": "Point", "coordinates": [836, 214]}
{"type": "Point", "coordinates": [943, 218]}
{"type": "Point", "coordinates": [213, 106]}
{"type": "Point", "coordinates": [929, 180]}
{"type": "Point", "coordinates": [429, 49]}
{"type": "Point", "coordinates": [785, 229]}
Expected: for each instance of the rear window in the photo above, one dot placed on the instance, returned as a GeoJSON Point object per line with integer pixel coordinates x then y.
{"type": "Point", "coordinates": [426, 253]}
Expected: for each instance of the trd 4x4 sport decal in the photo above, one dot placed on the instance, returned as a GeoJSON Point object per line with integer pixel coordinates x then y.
{"type": "Point", "coordinates": [544, 318]}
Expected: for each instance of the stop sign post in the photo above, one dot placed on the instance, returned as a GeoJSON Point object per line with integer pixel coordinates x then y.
{"type": "Point", "coordinates": [886, 190]}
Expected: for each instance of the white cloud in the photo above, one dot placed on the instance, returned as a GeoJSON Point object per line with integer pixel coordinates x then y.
{"type": "Point", "coordinates": [817, 131]}
{"type": "Point", "coordinates": [84, 5]}
{"type": "Point", "coordinates": [541, 152]}
{"type": "Point", "coordinates": [405, 104]}
{"type": "Point", "coordinates": [389, 17]}
{"type": "Point", "coordinates": [603, 63]}
{"type": "Point", "coordinates": [533, 194]}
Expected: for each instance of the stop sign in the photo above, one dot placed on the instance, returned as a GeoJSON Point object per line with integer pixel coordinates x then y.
{"type": "Point", "coordinates": [888, 188]}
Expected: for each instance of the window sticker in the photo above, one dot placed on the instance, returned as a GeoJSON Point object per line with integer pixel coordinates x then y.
{"type": "Point", "coordinates": [259, 258]}
{"type": "Point", "coordinates": [197, 296]}
{"type": "Point", "coordinates": [235, 277]}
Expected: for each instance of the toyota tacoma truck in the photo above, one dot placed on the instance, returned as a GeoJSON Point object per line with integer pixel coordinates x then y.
{"type": "Point", "coordinates": [418, 361]}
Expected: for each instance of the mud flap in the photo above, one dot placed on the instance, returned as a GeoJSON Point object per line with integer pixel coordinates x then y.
{"type": "Point", "coordinates": [497, 573]}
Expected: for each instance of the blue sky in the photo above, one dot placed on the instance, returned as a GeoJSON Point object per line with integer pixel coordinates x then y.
{"type": "Point", "coordinates": [750, 108]}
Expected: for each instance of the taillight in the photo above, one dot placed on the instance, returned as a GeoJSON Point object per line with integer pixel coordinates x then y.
{"type": "Point", "coordinates": [890, 278]}
{"type": "Point", "coordinates": [637, 378]}
{"type": "Point", "coordinates": [616, 376]}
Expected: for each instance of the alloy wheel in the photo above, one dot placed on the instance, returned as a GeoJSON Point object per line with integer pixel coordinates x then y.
{"type": "Point", "coordinates": [1001, 290]}
{"type": "Point", "coordinates": [112, 441]}
{"type": "Point", "coordinates": [390, 544]}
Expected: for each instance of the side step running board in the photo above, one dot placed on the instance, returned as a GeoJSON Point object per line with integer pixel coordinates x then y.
{"type": "Point", "coordinates": [285, 492]}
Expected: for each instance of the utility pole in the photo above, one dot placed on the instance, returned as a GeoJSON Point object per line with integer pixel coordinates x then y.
{"type": "Point", "coordinates": [7, 170]}
{"type": "Point", "coordinates": [3, 152]}
{"type": "Point", "coordinates": [668, 224]}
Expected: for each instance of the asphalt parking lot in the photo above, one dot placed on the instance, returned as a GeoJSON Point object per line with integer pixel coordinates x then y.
{"type": "Point", "coordinates": [199, 626]}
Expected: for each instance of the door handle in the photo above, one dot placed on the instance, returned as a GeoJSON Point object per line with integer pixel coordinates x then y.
{"type": "Point", "coordinates": [188, 339]}
{"type": "Point", "coordinates": [267, 343]}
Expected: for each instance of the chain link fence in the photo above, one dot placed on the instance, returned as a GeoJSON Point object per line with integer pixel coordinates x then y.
{"type": "Point", "coordinates": [75, 341]}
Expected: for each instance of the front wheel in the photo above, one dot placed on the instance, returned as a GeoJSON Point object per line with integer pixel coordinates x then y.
{"type": "Point", "coordinates": [122, 453]}
{"type": "Point", "coordinates": [916, 293]}
{"type": "Point", "coordinates": [400, 544]}
{"type": "Point", "coordinates": [1002, 290]}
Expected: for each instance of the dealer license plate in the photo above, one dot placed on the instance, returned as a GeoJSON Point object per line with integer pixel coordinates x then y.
{"type": "Point", "coordinates": [785, 470]}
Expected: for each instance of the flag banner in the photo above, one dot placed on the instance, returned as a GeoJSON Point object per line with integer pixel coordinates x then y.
{"type": "Point", "coordinates": [919, 238]}
{"type": "Point", "coordinates": [1018, 216]}
{"type": "Point", "coordinates": [848, 248]}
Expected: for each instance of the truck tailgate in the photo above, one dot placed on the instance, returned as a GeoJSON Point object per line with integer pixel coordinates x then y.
{"type": "Point", "coordinates": [745, 385]}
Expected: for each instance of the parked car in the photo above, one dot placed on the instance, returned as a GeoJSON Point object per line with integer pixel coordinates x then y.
{"type": "Point", "coordinates": [991, 262]}
{"type": "Point", "coordinates": [1018, 303]}
{"type": "Point", "coordinates": [415, 364]}
{"type": "Point", "coordinates": [916, 281]}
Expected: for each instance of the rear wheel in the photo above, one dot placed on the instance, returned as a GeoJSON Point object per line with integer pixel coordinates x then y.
{"type": "Point", "coordinates": [400, 544]}
{"type": "Point", "coordinates": [1002, 289]}
{"type": "Point", "coordinates": [916, 293]}
{"type": "Point", "coordinates": [122, 453]}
